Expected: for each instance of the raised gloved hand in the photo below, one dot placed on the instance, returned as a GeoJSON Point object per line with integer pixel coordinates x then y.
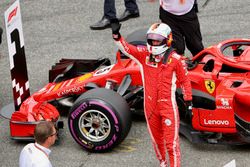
{"type": "Point", "coordinates": [189, 113]}
{"type": "Point", "coordinates": [115, 27]}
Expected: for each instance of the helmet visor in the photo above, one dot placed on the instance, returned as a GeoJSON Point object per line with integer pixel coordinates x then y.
{"type": "Point", "coordinates": [155, 39]}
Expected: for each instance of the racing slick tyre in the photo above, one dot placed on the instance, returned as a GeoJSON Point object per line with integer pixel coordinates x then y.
{"type": "Point", "coordinates": [99, 120]}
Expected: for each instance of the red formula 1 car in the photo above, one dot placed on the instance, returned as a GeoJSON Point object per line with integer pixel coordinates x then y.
{"type": "Point", "coordinates": [100, 97]}
{"type": "Point", "coordinates": [220, 78]}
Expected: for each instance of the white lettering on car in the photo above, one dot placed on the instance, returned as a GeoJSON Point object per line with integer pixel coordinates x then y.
{"type": "Point", "coordinates": [216, 122]}
{"type": "Point", "coordinates": [104, 70]}
{"type": "Point", "coordinates": [70, 91]}
{"type": "Point", "coordinates": [224, 104]}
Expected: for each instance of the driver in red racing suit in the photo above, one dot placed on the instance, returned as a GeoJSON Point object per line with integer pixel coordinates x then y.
{"type": "Point", "coordinates": [160, 67]}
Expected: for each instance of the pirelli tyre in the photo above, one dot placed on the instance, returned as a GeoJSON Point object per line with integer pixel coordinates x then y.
{"type": "Point", "coordinates": [99, 120]}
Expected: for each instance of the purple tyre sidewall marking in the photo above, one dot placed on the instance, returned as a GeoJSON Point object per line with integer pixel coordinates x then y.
{"type": "Point", "coordinates": [73, 133]}
{"type": "Point", "coordinates": [107, 108]}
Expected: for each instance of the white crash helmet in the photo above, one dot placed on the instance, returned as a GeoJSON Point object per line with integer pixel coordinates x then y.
{"type": "Point", "coordinates": [159, 32]}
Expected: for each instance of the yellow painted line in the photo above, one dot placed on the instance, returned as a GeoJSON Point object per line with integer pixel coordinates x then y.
{"type": "Point", "coordinates": [128, 145]}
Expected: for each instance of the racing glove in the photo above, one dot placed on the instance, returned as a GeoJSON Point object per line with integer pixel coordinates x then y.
{"type": "Point", "coordinates": [115, 27]}
{"type": "Point", "coordinates": [189, 113]}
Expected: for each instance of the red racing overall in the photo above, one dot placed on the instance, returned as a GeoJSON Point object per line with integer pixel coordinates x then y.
{"type": "Point", "coordinates": [159, 80]}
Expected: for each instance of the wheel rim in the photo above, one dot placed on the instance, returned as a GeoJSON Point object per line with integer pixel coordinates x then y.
{"type": "Point", "coordinates": [94, 125]}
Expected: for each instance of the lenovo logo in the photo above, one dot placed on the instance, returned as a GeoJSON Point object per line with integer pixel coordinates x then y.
{"type": "Point", "coordinates": [216, 122]}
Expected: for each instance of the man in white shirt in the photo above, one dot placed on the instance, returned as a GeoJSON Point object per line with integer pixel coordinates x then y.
{"type": "Point", "coordinates": [181, 16]}
{"type": "Point", "coordinates": [37, 154]}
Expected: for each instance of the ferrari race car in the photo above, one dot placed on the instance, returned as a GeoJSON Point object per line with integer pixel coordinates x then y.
{"type": "Point", "coordinates": [100, 98]}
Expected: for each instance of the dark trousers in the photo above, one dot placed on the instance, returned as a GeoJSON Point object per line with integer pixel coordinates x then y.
{"type": "Point", "coordinates": [185, 29]}
{"type": "Point", "coordinates": [110, 11]}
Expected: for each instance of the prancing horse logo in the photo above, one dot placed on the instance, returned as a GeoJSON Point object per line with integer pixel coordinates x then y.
{"type": "Point", "coordinates": [210, 86]}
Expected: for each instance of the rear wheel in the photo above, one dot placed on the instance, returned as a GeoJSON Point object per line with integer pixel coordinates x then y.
{"type": "Point", "coordinates": [99, 120]}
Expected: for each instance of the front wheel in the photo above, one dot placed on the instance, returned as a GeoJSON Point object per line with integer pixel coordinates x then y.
{"type": "Point", "coordinates": [99, 120]}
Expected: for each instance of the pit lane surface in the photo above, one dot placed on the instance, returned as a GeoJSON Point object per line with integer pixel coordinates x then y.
{"type": "Point", "coordinates": [60, 28]}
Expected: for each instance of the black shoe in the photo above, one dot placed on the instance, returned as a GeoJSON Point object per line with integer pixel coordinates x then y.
{"type": "Point", "coordinates": [1, 32]}
{"type": "Point", "coordinates": [128, 15]}
{"type": "Point", "coordinates": [101, 25]}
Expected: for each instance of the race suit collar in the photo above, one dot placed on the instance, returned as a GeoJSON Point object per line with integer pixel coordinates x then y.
{"type": "Point", "coordinates": [166, 55]}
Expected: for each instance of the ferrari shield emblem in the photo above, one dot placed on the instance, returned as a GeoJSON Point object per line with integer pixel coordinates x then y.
{"type": "Point", "coordinates": [210, 86]}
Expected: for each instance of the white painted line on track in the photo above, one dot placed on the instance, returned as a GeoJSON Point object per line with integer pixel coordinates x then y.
{"type": "Point", "coordinates": [231, 164]}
